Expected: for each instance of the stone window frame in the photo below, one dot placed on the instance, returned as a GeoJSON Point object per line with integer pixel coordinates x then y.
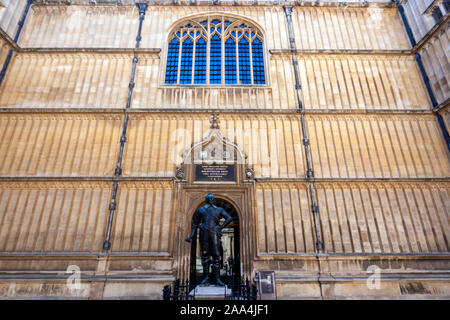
{"type": "Point", "coordinates": [431, 10]}
{"type": "Point", "coordinates": [437, 14]}
{"type": "Point", "coordinates": [182, 32]}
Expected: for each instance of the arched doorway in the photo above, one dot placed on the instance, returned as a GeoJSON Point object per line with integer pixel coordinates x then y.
{"type": "Point", "coordinates": [218, 166]}
{"type": "Point", "coordinates": [230, 249]}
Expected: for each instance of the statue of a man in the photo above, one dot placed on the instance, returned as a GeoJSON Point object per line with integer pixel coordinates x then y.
{"type": "Point", "coordinates": [208, 219]}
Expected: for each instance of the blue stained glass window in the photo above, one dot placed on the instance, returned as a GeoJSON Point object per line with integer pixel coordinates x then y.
{"type": "Point", "coordinates": [258, 62]}
{"type": "Point", "coordinates": [244, 62]}
{"type": "Point", "coordinates": [172, 62]}
{"type": "Point", "coordinates": [230, 62]}
{"type": "Point", "coordinates": [200, 61]}
{"type": "Point", "coordinates": [186, 62]}
{"type": "Point", "coordinates": [215, 65]}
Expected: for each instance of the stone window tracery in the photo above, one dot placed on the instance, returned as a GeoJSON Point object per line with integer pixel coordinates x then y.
{"type": "Point", "coordinates": [215, 50]}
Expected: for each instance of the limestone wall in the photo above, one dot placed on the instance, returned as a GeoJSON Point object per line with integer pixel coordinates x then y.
{"type": "Point", "coordinates": [4, 50]}
{"type": "Point", "coordinates": [381, 167]}
{"type": "Point", "coordinates": [364, 82]}
{"type": "Point", "coordinates": [378, 146]}
{"type": "Point", "coordinates": [432, 37]}
{"type": "Point", "coordinates": [58, 145]}
{"type": "Point", "coordinates": [53, 216]}
{"type": "Point", "coordinates": [284, 223]}
{"type": "Point", "coordinates": [81, 26]}
{"type": "Point", "coordinates": [355, 217]}
{"type": "Point", "coordinates": [348, 28]}
{"type": "Point", "coordinates": [419, 22]}
{"type": "Point", "coordinates": [10, 15]}
{"type": "Point", "coordinates": [350, 146]}
{"type": "Point", "coordinates": [272, 143]}
{"type": "Point", "coordinates": [71, 216]}
{"type": "Point", "coordinates": [445, 113]}
{"type": "Point", "coordinates": [435, 56]}
{"type": "Point", "coordinates": [145, 219]}
{"type": "Point", "coordinates": [67, 81]}
{"type": "Point", "coordinates": [100, 80]}
{"type": "Point", "coordinates": [116, 26]}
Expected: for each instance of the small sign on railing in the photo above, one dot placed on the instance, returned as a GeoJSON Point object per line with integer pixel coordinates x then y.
{"type": "Point", "coordinates": [267, 285]}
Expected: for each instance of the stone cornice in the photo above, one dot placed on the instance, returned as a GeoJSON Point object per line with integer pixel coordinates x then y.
{"type": "Point", "coordinates": [340, 51]}
{"type": "Point", "coordinates": [309, 3]}
{"type": "Point", "coordinates": [45, 183]}
{"type": "Point", "coordinates": [175, 111]}
{"type": "Point", "coordinates": [354, 255]}
{"type": "Point", "coordinates": [81, 179]}
{"type": "Point", "coordinates": [137, 182]}
{"type": "Point", "coordinates": [8, 39]}
{"type": "Point", "coordinates": [90, 50]}
{"type": "Point", "coordinates": [338, 183]}
{"type": "Point", "coordinates": [157, 51]}
{"type": "Point", "coordinates": [444, 105]}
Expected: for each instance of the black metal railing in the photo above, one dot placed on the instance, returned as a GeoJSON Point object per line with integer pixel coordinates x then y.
{"type": "Point", "coordinates": [243, 291]}
{"type": "Point", "coordinates": [178, 291]}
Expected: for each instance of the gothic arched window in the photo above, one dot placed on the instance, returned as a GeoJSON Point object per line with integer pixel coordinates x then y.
{"type": "Point", "coordinates": [216, 50]}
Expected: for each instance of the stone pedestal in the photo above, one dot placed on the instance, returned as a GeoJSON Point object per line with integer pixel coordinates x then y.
{"type": "Point", "coordinates": [210, 292]}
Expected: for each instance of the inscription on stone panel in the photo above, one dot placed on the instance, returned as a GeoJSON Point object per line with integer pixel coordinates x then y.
{"type": "Point", "coordinates": [215, 173]}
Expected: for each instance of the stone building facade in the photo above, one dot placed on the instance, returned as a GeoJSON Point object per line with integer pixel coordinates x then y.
{"type": "Point", "coordinates": [337, 153]}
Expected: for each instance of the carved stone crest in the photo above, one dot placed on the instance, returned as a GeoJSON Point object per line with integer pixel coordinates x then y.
{"type": "Point", "coordinates": [214, 159]}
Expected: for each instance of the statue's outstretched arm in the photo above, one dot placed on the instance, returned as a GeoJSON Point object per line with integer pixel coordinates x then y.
{"type": "Point", "coordinates": [195, 224]}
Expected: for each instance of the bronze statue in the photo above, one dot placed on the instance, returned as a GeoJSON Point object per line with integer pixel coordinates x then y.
{"type": "Point", "coordinates": [208, 219]}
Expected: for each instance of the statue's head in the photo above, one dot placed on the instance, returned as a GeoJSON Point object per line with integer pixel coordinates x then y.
{"type": "Point", "coordinates": [210, 198]}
